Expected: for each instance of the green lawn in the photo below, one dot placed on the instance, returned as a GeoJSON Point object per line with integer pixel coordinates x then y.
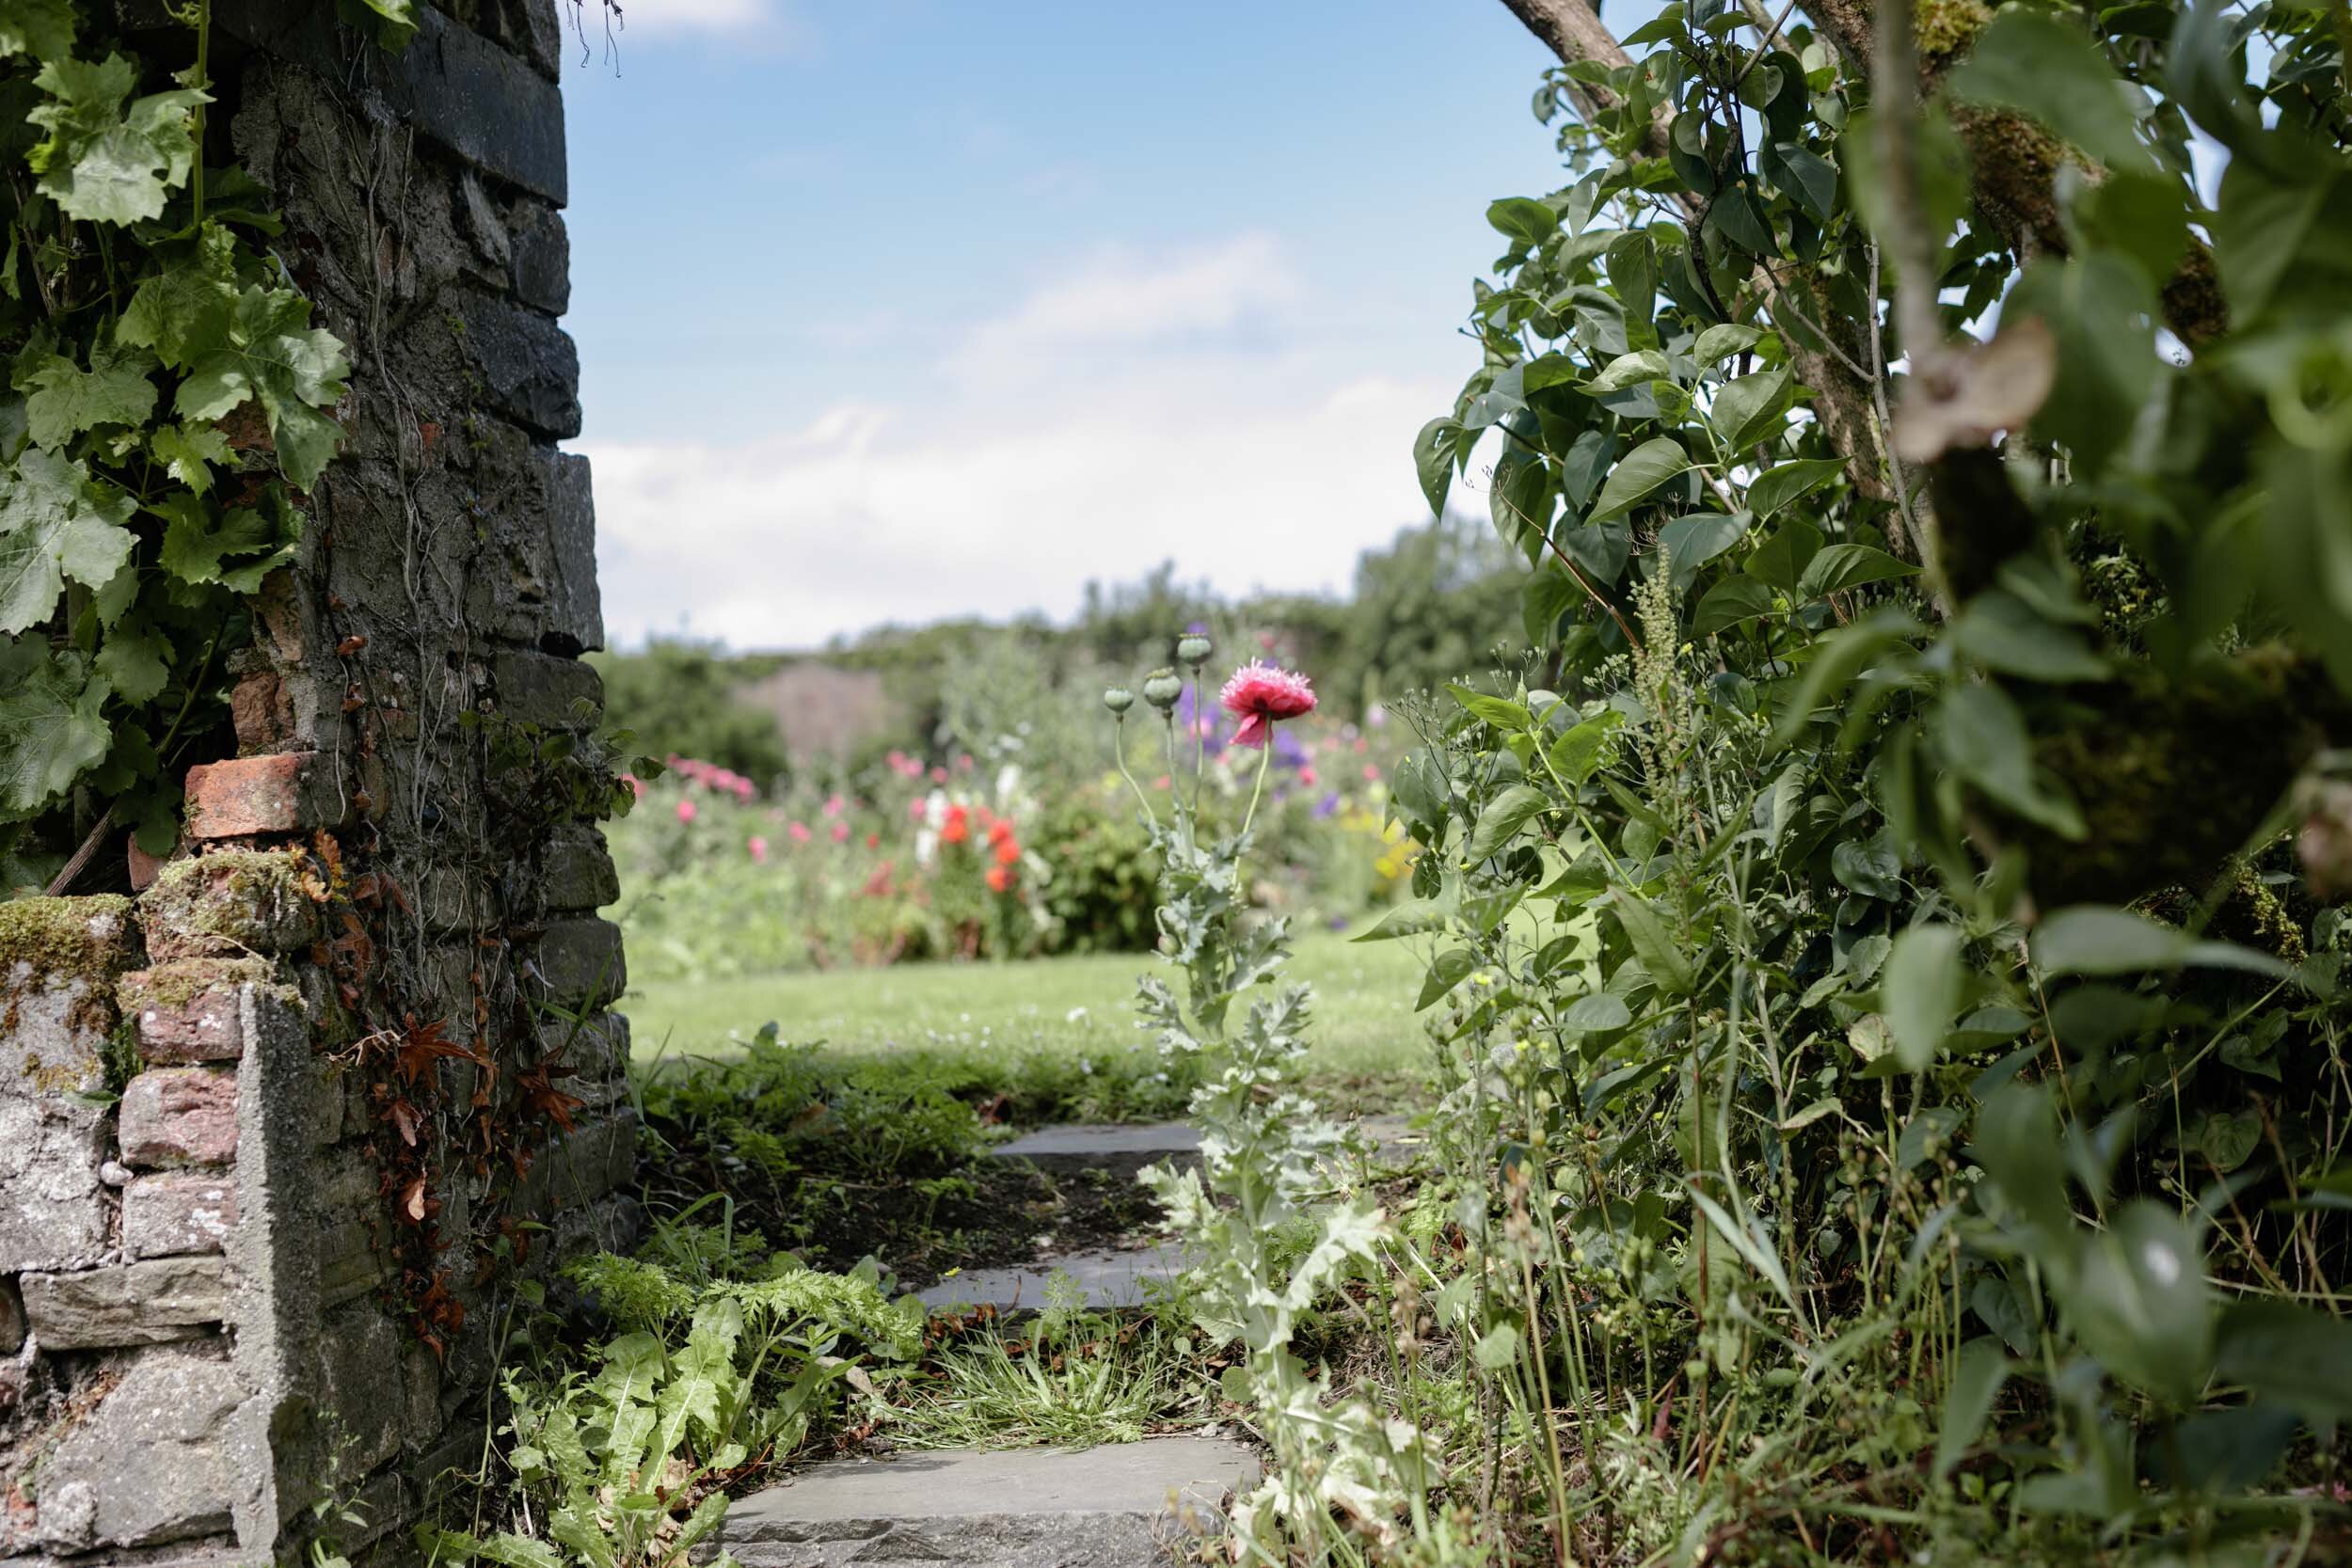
{"type": "Point", "coordinates": [1365, 1025]}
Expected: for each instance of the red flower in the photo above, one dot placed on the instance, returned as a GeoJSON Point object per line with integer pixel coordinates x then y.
{"type": "Point", "coordinates": [999, 879]}
{"type": "Point", "coordinates": [1260, 695]}
{"type": "Point", "coordinates": [1007, 852]}
{"type": "Point", "coordinates": [957, 827]}
{"type": "Point", "coordinates": [999, 831]}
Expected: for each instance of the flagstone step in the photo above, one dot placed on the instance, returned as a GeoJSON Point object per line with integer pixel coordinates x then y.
{"type": "Point", "coordinates": [1124, 1147]}
{"type": "Point", "coordinates": [1112, 1278]}
{"type": "Point", "coordinates": [1119, 1506]}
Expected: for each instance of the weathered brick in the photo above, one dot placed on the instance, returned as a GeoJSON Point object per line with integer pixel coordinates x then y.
{"type": "Point", "coordinates": [545, 689]}
{"type": "Point", "coordinates": [529, 368]}
{"type": "Point", "coordinates": [247, 796]}
{"type": "Point", "coordinates": [541, 257]}
{"type": "Point", "coordinates": [11, 1317]}
{"type": "Point", "coordinates": [167, 1215]}
{"type": "Point", "coordinates": [146, 1302]}
{"type": "Point", "coordinates": [578, 873]}
{"type": "Point", "coordinates": [229, 903]}
{"type": "Point", "coordinates": [187, 1010]}
{"type": "Point", "coordinates": [174, 1116]}
{"type": "Point", "coordinates": [156, 1462]}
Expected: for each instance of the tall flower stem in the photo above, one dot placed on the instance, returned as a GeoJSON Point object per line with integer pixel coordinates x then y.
{"type": "Point", "coordinates": [1119, 750]}
{"type": "Point", "coordinates": [1266, 755]}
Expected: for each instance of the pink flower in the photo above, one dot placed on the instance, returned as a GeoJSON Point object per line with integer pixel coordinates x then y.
{"type": "Point", "coordinates": [939, 775]}
{"type": "Point", "coordinates": [963, 763]}
{"type": "Point", "coordinates": [743, 790]}
{"type": "Point", "coordinates": [686, 811]}
{"type": "Point", "coordinates": [841, 833]}
{"type": "Point", "coordinates": [1260, 695]}
{"type": "Point", "coordinates": [759, 851]}
{"type": "Point", "coordinates": [897, 759]}
{"type": "Point", "coordinates": [1306, 777]}
{"type": "Point", "coordinates": [835, 805]}
{"type": "Point", "coordinates": [915, 808]}
{"type": "Point", "coordinates": [636, 784]}
{"type": "Point", "coordinates": [1372, 773]}
{"type": "Point", "coordinates": [799, 832]}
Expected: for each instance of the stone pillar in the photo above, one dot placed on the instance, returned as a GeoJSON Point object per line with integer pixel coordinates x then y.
{"type": "Point", "coordinates": [279, 1145]}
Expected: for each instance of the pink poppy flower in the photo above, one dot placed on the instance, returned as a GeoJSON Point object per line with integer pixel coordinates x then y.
{"type": "Point", "coordinates": [1306, 777]}
{"type": "Point", "coordinates": [1260, 695]}
{"type": "Point", "coordinates": [799, 832]}
{"type": "Point", "coordinates": [841, 833]}
{"type": "Point", "coordinates": [686, 811]}
{"type": "Point", "coordinates": [759, 851]}
{"type": "Point", "coordinates": [939, 775]}
{"type": "Point", "coordinates": [835, 805]}
{"type": "Point", "coordinates": [1372, 773]}
{"type": "Point", "coordinates": [915, 808]}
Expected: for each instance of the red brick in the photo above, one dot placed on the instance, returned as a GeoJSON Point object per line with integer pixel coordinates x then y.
{"type": "Point", "coordinates": [180, 1116]}
{"type": "Point", "coordinates": [248, 796]}
{"type": "Point", "coordinates": [187, 1011]}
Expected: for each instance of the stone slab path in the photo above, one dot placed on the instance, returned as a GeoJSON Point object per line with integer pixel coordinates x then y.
{"type": "Point", "coordinates": [1119, 1506]}
{"type": "Point", "coordinates": [1112, 1147]}
{"type": "Point", "coordinates": [1113, 1280]}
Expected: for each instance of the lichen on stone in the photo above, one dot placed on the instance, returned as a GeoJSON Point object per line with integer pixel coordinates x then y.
{"type": "Point", "coordinates": [227, 902]}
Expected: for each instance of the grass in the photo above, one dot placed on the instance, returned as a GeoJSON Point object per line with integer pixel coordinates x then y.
{"type": "Point", "coordinates": [1365, 1031]}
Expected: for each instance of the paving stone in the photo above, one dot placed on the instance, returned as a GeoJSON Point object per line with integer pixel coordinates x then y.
{"type": "Point", "coordinates": [1108, 1146]}
{"type": "Point", "coordinates": [1111, 1278]}
{"type": "Point", "coordinates": [1122, 1505]}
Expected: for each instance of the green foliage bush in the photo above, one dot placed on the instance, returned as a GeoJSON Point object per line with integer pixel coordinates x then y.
{"type": "Point", "coordinates": [681, 698]}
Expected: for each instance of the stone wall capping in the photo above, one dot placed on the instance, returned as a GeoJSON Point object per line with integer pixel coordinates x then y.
{"type": "Point", "coordinates": [146, 1303]}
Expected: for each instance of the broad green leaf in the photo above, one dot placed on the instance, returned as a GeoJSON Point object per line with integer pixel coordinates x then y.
{"type": "Point", "coordinates": [2095, 939]}
{"type": "Point", "coordinates": [55, 525]}
{"type": "Point", "coordinates": [1497, 1348]}
{"type": "Point", "coordinates": [1984, 740]}
{"type": "Point", "coordinates": [1978, 1373]}
{"type": "Point", "coordinates": [1724, 339]}
{"type": "Point", "coordinates": [1413, 918]}
{"type": "Point", "coordinates": [41, 28]}
{"type": "Point", "coordinates": [1661, 955]}
{"type": "Point", "coordinates": [1867, 868]}
{"type": "Point", "coordinates": [1728, 603]}
{"type": "Point", "coordinates": [50, 726]}
{"type": "Point", "coordinates": [62, 399]}
{"type": "Point", "coordinates": [2030, 61]}
{"type": "Point", "coordinates": [1643, 470]}
{"type": "Point", "coordinates": [188, 451]}
{"type": "Point", "coordinates": [1921, 990]}
{"type": "Point", "coordinates": [2103, 313]}
{"type": "Point", "coordinates": [1547, 594]}
{"type": "Point", "coordinates": [1781, 560]}
{"type": "Point", "coordinates": [135, 660]}
{"type": "Point", "coordinates": [1597, 1012]}
{"type": "Point", "coordinates": [1631, 370]}
{"type": "Point", "coordinates": [187, 301]}
{"type": "Point", "coordinates": [201, 547]}
{"type": "Point", "coordinates": [1447, 971]}
{"type": "Point", "coordinates": [267, 350]}
{"type": "Point", "coordinates": [1500, 712]}
{"type": "Point", "coordinates": [1581, 748]}
{"type": "Point", "coordinates": [1433, 461]}
{"type": "Point", "coordinates": [1838, 659]}
{"type": "Point", "coordinates": [1690, 543]}
{"type": "Point", "coordinates": [1520, 219]}
{"type": "Point", "coordinates": [2140, 1305]}
{"type": "Point", "coordinates": [1752, 407]}
{"type": "Point", "coordinates": [1633, 274]}
{"type": "Point", "coordinates": [102, 161]}
{"type": "Point", "coordinates": [1505, 815]}
{"type": "Point", "coordinates": [1842, 567]}
{"type": "Point", "coordinates": [1997, 630]}
{"type": "Point", "coordinates": [1776, 486]}
{"type": "Point", "coordinates": [2017, 1143]}
{"type": "Point", "coordinates": [2298, 1357]}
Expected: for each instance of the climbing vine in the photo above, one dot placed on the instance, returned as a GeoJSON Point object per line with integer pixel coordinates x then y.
{"type": "Point", "coordinates": [166, 403]}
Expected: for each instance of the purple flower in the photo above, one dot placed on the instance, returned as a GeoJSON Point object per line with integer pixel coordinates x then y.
{"type": "Point", "coordinates": [1328, 806]}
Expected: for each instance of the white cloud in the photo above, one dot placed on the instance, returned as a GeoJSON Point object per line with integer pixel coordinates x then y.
{"type": "Point", "coordinates": [769, 22]}
{"type": "Point", "coordinates": [1130, 412]}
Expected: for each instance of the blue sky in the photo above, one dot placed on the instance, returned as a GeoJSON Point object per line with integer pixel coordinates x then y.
{"type": "Point", "coordinates": [915, 308]}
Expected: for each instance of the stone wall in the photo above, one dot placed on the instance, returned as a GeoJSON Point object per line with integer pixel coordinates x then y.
{"type": "Point", "coordinates": [284, 1139]}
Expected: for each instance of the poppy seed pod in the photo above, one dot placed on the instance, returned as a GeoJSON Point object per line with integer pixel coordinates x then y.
{"type": "Point", "coordinates": [1192, 649]}
{"type": "Point", "coordinates": [1161, 688]}
{"type": "Point", "coordinates": [1119, 700]}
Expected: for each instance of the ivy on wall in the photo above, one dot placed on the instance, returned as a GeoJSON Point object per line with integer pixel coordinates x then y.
{"type": "Point", "coordinates": [165, 404]}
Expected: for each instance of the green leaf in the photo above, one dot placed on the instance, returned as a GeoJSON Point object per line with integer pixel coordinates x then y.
{"type": "Point", "coordinates": [185, 303]}
{"type": "Point", "coordinates": [1581, 748]}
{"type": "Point", "coordinates": [1782, 558]}
{"type": "Point", "coordinates": [50, 729]}
{"type": "Point", "coordinates": [2298, 1357]}
{"type": "Point", "coordinates": [1776, 486]}
{"type": "Point", "coordinates": [1643, 470]}
{"type": "Point", "coordinates": [1597, 1012]}
{"type": "Point", "coordinates": [1447, 971]}
{"type": "Point", "coordinates": [2141, 1306]}
{"type": "Point", "coordinates": [187, 453]}
{"type": "Point", "coordinates": [41, 28]}
{"type": "Point", "coordinates": [1983, 739]}
{"type": "Point", "coordinates": [1842, 567]}
{"type": "Point", "coordinates": [1505, 815]}
{"type": "Point", "coordinates": [55, 525]}
{"type": "Point", "coordinates": [136, 660]}
{"type": "Point", "coordinates": [1721, 340]}
{"type": "Point", "coordinates": [1752, 407]}
{"type": "Point", "coordinates": [104, 162]}
{"type": "Point", "coordinates": [1922, 992]}
{"type": "Point", "coordinates": [396, 23]}
{"type": "Point", "coordinates": [200, 547]}
{"type": "Point", "coordinates": [1433, 461]}
{"type": "Point", "coordinates": [2103, 313]}
{"type": "Point", "coordinates": [1413, 918]}
{"type": "Point", "coordinates": [1690, 543]}
{"type": "Point", "coordinates": [1809, 179]}
{"type": "Point", "coordinates": [2029, 62]}
{"type": "Point", "coordinates": [2097, 939]}
{"type": "Point", "coordinates": [1728, 603]}
{"type": "Point", "coordinates": [1999, 631]}
{"type": "Point", "coordinates": [1637, 369]}
{"type": "Point", "coordinates": [1497, 1348]}
{"type": "Point", "coordinates": [1500, 712]}
{"type": "Point", "coordinates": [2017, 1143]}
{"type": "Point", "coordinates": [1523, 219]}
{"type": "Point", "coordinates": [1978, 1373]}
{"type": "Point", "coordinates": [1653, 944]}
{"type": "Point", "coordinates": [1838, 659]}
{"type": "Point", "coordinates": [1633, 274]}
{"type": "Point", "coordinates": [267, 350]}
{"type": "Point", "coordinates": [62, 399]}
{"type": "Point", "coordinates": [1867, 868]}
{"type": "Point", "coordinates": [1547, 594]}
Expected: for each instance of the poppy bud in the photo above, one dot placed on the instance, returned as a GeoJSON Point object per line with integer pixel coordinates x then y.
{"type": "Point", "coordinates": [1119, 700]}
{"type": "Point", "coordinates": [1161, 688]}
{"type": "Point", "coordinates": [1193, 649]}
